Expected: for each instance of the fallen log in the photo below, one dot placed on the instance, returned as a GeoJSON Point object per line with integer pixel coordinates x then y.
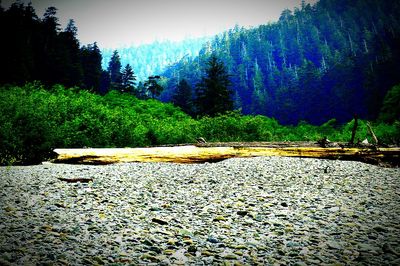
{"type": "Point", "coordinates": [76, 180]}
{"type": "Point", "coordinates": [214, 152]}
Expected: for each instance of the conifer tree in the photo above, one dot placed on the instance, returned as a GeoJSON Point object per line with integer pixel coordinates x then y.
{"type": "Point", "coordinates": [213, 91]}
{"type": "Point", "coordinates": [128, 79]}
{"type": "Point", "coordinates": [91, 65]}
{"type": "Point", "coordinates": [114, 68]}
{"type": "Point", "coordinates": [104, 82]}
{"type": "Point", "coordinates": [183, 97]}
{"type": "Point", "coordinates": [153, 87]}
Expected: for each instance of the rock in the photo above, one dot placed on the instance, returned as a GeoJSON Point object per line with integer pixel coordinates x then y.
{"type": "Point", "coordinates": [334, 245]}
{"type": "Point", "coordinates": [380, 229]}
{"type": "Point", "coordinates": [172, 242]}
{"type": "Point", "coordinates": [364, 247]}
{"type": "Point", "coordinates": [292, 244]}
{"type": "Point", "coordinates": [188, 241]}
{"type": "Point", "coordinates": [149, 257]}
{"type": "Point", "coordinates": [155, 249]}
{"type": "Point", "coordinates": [184, 232]}
{"type": "Point", "coordinates": [192, 249]}
{"type": "Point", "coordinates": [148, 242]}
{"type": "Point", "coordinates": [240, 247]}
{"type": "Point", "coordinates": [242, 213]}
{"type": "Point", "coordinates": [387, 248]}
{"type": "Point", "coordinates": [168, 252]}
{"type": "Point", "coordinates": [230, 257]}
{"type": "Point", "coordinates": [212, 240]}
{"type": "Point", "coordinates": [300, 263]}
{"type": "Point", "coordinates": [219, 218]}
{"type": "Point", "coordinates": [207, 253]}
{"type": "Point", "coordinates": [334, 209]}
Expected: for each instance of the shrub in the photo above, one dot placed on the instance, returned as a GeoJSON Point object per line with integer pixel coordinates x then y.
{"type": "Point", "coordinates": [34, 121]}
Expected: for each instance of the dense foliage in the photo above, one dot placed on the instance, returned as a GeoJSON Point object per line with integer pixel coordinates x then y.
{"type": "Point", "coordinates": [330, 60]}
{"type": "Point", "coordinates": [213, 93]}
{"type": "Point", "coordinates": [37, 49]}
{"type": "Point", "coordinates": [34, 121]}
{"type": "Point", "coordinates": [153, 58]}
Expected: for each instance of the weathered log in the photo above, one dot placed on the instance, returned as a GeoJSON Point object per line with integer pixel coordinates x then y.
{"type": "Point", "coordinates": [213, 152]}
{"type": "Point", "coordinates": [76, 180]}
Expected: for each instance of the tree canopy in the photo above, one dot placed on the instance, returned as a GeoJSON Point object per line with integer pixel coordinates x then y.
{"type": "Point", "coordinates": [318, 62]}
{"type": "Point", "coordinates": [36, 48]}
{"type": "Point", "coordinates": [213, 94]}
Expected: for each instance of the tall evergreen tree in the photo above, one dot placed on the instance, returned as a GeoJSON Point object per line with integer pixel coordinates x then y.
{"type": "Point", "coordinates": [67, 56]}
{"type": "Point", "coordinates": [140, 91]}
{"type": "Point", "coordinates": [91, 65]}
{"type": "Point", "coordinates": [213, 92]}
{"type": "Point", "coordinates": [114, 68]}
{"type": "Point", "coordinates": [153, 87]}
{"type": "Point", "coordinates": [183, 96]}
{"type": "Point", "coordinates": [128, 79]}
{"type": "Point", "coordinates": [105, 82]}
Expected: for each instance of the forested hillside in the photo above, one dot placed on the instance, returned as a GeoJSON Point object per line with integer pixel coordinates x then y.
{"type": "Point", "coordinates": [317, 65]}
{"type": "Point", "coordinates": [153, 58]}
{"type": "Point", "coordinates": [330, 60]}
{"type": "Point", "coordinates": [36, 48]}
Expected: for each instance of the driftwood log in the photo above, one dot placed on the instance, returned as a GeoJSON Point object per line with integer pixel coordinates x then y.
{"type": "Point", "coordinates": [213, 152]}
{"type": "Point", "coordinates": [76, 180]}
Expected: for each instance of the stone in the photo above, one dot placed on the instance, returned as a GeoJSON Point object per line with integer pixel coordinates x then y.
{"type": "Point", "coordinates": [242, 213]}
{"type": "Point", "coordinates": [219, 218]}
{"type": "Point", "coordinates": [212, 240]}
{"type": "Point", "coordinates": [334, 245]}
{"type": "Point", "coordinates": [349, 220]}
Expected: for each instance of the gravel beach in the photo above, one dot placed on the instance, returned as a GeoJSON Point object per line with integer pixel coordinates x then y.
{"type": "Point", "coordinates": [252, 211]}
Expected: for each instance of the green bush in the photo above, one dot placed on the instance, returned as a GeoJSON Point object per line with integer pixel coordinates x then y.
{"type": "Point", "coordinates": [34, 121]}
{"type": "Point", "coordinates": [390, 111]}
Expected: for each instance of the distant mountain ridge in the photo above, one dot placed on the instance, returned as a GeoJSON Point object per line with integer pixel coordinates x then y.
{"type": "Point", "coordinates": [151, 59]}
{"type": "Point", "coordinates": [330, 60]}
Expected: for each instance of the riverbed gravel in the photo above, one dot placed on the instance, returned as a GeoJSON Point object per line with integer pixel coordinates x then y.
{"type": "Point", "coordinates": [252, 211]}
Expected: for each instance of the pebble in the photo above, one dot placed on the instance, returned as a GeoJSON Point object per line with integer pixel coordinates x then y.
{"type": "Point", "coordinates": [253, 211]}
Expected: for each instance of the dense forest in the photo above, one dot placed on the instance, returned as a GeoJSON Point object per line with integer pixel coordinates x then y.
{"type": "Point", "coordinates": [153, 58]}
{"type": "Point", "coordinates": [37, 49]}
{"type": "Point", "coordinates": [330, 60]}
{"type": "Point", "coordinates": [319, 64]}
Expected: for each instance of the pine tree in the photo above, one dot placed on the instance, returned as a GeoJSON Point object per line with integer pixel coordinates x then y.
{"type": "Point", "coordinates": [105, 82]}
{"type": "Point", "coordinates": [128, 79]}
{"type": "Point", "coordinates": [114, 68]}
{"type": "Point", "coordinates": [91, 65]}
{"type": "Point", "coordinates": [213, 91]}
{"type": "Point", "coordinates": [140, 91]}
{"type": "Point", "coordinates": [390, 111]}
{"type": "Point", "coordinates": [153, 87]}
{"type": "Point", "coordinates": [183, 97]}
{"type": "Point", "coordinates": [67, 54]}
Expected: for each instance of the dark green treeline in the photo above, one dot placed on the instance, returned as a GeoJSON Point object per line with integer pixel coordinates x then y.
{"type": "Point", "coordinates": [330, 60]}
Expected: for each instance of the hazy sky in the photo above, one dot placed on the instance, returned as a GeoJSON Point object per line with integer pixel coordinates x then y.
{"type": "Point", "coordinates": [117, 22]}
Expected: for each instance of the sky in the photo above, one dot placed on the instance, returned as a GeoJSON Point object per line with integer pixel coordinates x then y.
{"type": "Point", "coordinates": [116, 23]}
